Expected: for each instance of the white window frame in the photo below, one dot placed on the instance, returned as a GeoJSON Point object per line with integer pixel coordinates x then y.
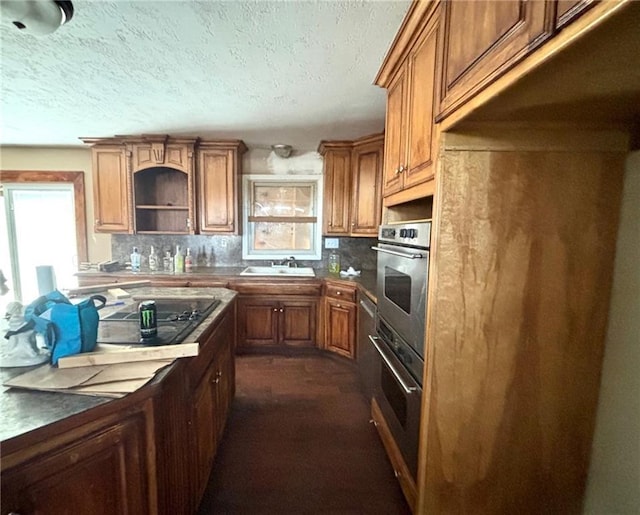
{"type": "Point", "coordinates": [248, 253]}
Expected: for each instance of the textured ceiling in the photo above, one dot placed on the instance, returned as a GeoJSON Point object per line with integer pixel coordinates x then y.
{"type": "Point", "coordinates": [262, 71]}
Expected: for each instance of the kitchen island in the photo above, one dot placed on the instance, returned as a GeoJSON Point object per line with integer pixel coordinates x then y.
{"type": "Point", "coordinates": [148, 452]}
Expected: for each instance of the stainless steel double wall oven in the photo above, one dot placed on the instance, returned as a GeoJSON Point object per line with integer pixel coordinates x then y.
{"type": "Point", "coordinates": [403, 277]}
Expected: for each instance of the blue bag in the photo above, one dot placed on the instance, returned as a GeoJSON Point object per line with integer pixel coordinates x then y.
{"type": "Point", "coordinates": [67, 328]}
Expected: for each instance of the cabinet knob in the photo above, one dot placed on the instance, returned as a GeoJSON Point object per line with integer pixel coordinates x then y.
{"type": "Point", "coordinates": [97, 221]}
{"type": "Point", "coordinates": [401, 169]}
{"type": "Point", "coordinates": [338, 305]}
{"type": "Point", "coordinates": [275, 310]}
{"type": "Point", "coordinates": [281, 310]}
{"type": "Point", "coordinates": [396, 171]}
{"type": "Point", "coordinates": [338, 293]}
{"type": "Point", "coordinates": [188, 223]}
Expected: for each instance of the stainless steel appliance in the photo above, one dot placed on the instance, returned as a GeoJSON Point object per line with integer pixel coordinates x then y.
{"type": "Point", "coordinates": [402, 280]}
{"type": "Point", "coordinates": [403, 268]}
{"type": "Point", "coordinates": [366, 355]}
{"type": "Point", "coordinates": [176, 319]}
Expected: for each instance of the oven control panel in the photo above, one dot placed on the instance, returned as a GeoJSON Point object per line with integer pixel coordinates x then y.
{"type": "Point", "coordinates": [415, 234]}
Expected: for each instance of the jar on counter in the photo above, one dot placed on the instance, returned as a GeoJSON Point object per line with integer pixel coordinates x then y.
{"type": "Point", "coordinates": [334, 263]}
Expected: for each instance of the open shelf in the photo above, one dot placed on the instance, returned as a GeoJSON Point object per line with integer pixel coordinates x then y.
{"type": "Point", "coordinates": [162, 201]}
{"type": "Point", "coordinates": [167, 208]}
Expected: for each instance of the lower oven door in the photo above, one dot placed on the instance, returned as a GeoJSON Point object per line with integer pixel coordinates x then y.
{"type": "Point", "coordinates": [399, 397]}
{"type": "Point", "coordinates": [402, 291]}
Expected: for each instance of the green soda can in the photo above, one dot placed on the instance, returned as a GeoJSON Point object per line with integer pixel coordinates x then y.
{"type": "Point", "coordinates": [148, 321]}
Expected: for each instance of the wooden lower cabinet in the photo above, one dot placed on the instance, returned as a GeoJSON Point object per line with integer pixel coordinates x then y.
{"type": "Point", "coordinates": [340, 317]}
{"type": "Point", "coordinates": [340, 327]}
{"type": "Point", "coordinates": [106, 466]}
{"type": "Point", "coordinates": [212, 399]}
{"type": "Point", "coordinates": [276, 322]}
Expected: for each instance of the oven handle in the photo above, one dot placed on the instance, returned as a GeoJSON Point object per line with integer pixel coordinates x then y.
{"type": "Point", "coordinates": [401, 254]}
{"type": "Point", "coordinates": [405, 386]}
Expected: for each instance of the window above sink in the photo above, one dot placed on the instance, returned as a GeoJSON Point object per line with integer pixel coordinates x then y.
{"type": "Point", "coordinates": [282, 216]}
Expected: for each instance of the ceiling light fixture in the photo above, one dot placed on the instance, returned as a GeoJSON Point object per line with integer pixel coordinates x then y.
{"type": "Point", "coordinates": [282, 150]}
{"type": "Point", "coordinates": [37, 17]}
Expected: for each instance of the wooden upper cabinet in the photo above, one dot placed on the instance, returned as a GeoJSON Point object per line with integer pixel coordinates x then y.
{"type": "Point", "coordinates": [395, 134]}
{"type": "Point", "coordinates": [147, 184]}
{"type": "Point", "coordinates": [409, 130]}
{"type": "Point", "coordinates": [352, 186]}
{"type": "Point", "coordinates": [366, 189]}
{"type": "Point", "coordinates": [219, 169]}
{"type": "Point", "coordinates": [111, 189]}
{"type": "Point", "coordinates": [163, 185]}
{"type": "Point", "coordinates": [337, 188]}
{"type": "Point", "coordinates": [569, 10]}
{"type": "Point", "coordinates": [482, 39]}
{"type": "Point", "coordinates": [178, 156]}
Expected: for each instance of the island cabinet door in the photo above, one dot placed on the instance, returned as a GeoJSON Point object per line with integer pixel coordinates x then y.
{"type": "Point", "coordinates": [105, 472]}
{"type": "Point", "coordinates": [206, 437]}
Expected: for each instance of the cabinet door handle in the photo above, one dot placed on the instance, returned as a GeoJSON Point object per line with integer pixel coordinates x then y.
{"type": "Point", "coordinates": [188, 223]}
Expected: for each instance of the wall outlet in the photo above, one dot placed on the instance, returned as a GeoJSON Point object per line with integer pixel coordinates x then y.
{"type": "Point", "coordinates": [331, 243]}
{"type": "Point", "coordinates": [223, 243]}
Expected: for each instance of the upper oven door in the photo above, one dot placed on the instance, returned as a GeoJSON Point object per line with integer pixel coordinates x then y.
{"type": "Point", "coordinates": [402, 291]}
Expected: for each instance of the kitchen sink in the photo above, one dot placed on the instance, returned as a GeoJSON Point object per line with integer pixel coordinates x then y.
{"type": "Point", "coordinates": [279, 271]}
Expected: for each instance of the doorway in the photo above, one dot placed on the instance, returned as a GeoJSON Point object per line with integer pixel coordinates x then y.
{"type": "Point", "coordinates": [39, 214]}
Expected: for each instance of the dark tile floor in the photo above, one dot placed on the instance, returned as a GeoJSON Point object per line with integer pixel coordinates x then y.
{"type": "Point", "coordinates": [298, 441]}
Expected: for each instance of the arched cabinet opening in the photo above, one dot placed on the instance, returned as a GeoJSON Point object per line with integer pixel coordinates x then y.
{"type": "Point", "coordinates": [161, 199]}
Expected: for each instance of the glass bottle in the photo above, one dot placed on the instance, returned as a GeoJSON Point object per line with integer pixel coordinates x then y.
{"type": "Point", "coordinates": [188, 261]}
{"type": "Point", "coordinates": [334, 262]}
{"type": "Point", "coordinates": [178, 261]}
{"type": "Point", "coordinates": [153, 260]}
{"type": "Point", "coordinates": [167, 262]}
{"type": "Point", "coordinates": [135, 260]}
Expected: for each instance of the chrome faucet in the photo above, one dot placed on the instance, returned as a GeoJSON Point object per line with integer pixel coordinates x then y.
{"type": "Point", "coordinates": [290, 262]}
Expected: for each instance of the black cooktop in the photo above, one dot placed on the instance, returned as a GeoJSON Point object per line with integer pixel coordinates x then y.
{"type": "Point", "coordinates": [176, 319]}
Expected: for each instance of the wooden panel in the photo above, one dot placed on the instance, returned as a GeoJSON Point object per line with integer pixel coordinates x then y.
{"type": "Point", "coordinates": [569, 10]}
{"type": "Point", "coordinates": [276, 287]}
{"type": "Point", "coordinates": [204, 425]}
{"type": "Point", "coordinates": [400, 469]}
{"type": "Point", "coordinates": [525, 245]}
{"type": "Point", "coordinates": [111, 194]}
{"type": "Point", "coordinates": [394, 138]}
{"type": "Point", "coordinates": [421, 92]}
{"type": "Point", "coordinates": [366, 201]}
{"type": "Point", "coordinates": [337, 191]}
{"type": "Point", "coordinates": [103, 473]}
{"type": "Point", "coordinates": [503, 33]}
{"type": "Point", "coordinates": [340, 292]}
{"type": "Point", "coordinates": [298, 322]}
{"type": "Point", "coordinates": [257, 321]}
{"type": "Point", "coordinates": [217, 193]}
{"type": "Point", "coordinates": [340, 327]}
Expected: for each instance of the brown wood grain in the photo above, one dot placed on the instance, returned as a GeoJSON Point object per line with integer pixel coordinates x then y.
{"type": "Point", "coordinates": [366, 198]}
{"type": "Point", "coordinates": [504, 32]}
{"type": "Point", "coordinates": [525, 248]}
{"type": "Point", "coordinates": [77, 179]}
{"type": "Point", "coordinates": [337, 191]}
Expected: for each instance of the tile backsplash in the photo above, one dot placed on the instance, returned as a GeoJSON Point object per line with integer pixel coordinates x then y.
{"type": "Point", "coordinates": [227, 250]}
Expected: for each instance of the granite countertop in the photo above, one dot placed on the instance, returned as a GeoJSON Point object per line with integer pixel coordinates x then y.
{"type": "Point", "coordinates": [366, 282]}
{"type": "Point", "coordinates": [27, 410]}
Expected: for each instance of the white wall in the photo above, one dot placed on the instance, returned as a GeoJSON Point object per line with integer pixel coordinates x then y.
{"type": "Point", "coordinates": [614, 477]}
{"type": "Point", "coordinates": [65, 160]}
